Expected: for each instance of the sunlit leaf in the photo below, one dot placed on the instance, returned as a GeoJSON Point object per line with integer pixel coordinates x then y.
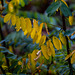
{"type": "Point", "coordinates": [42, 40]}
{"type": "Point", "coordinates": [10, 7]}
{"type": "Point", "coordinates": [57, 43]}
{"type": "Point", "coordinates": [51, 50]}
{"type": "Point", "coordinates": [40, 28]}
{"type": "Point", "coordinates": [7, 17]}
{"type": "Point", "coordinates": [35, 25]}
{"type": "Point", "coordinates": [38, 38]}
{"type": "Point", "coordinates": [33, 56]}
{"type": "Point", "coordinates": [23, 23]}
{"type": "Point", "coordinates": [69, 55]}
{"type": "Point", "coordinates": [44, 51]}
{"type": "Point", "coordinates": [33, 33]}
{"type": "Point", "coordinates": [13, 19]}
{"type": "Point", "coordinates": [62, 38]}
{"type": "Point", "coordinates": [28, 24]}
{"type": "Point", "coordinates": [35, 38]}
{"type": "Point", "coordinates": [73, 59]}
{"type": "Point", "coordinates": [18, 24]}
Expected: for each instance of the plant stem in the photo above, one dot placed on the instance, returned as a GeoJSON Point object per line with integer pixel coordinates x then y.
{"type": "Point", "coordinates": [67, 45]}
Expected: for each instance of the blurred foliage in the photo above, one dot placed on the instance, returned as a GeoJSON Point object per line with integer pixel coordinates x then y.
{"type": "Point", "coordinates": [18, 46]}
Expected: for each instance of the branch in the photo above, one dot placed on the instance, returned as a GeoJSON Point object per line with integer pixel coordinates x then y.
{"type": "Point", "coordinates": [67, 45]}
{"type": "Point", "coordinates": [2, 70]}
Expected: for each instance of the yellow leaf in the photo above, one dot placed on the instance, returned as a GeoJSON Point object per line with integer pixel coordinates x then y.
{"type": "Point", "coordinates": [55, 0]}
{"type": "Point", "coordinates": [62, 38]}
{"type": "Point", "coordinates": [25, 32]}
{"type": "Point", "coordinates": [44, 51]}
{"type": "Point", "coordinates": [33, 33]}
{"type": "Point", "coordinates": [4, 67]}
{"type": "Point", "coordinates": [28, 24]}
{"type": "Point", "coordinates": [28, 34]}
{"type": "Point", "coordinates": [10, 7]}
{"type": "Point", "coordinates": [35, 25]}
{"type": "Point", "coordinates": [73, 59]}
{"type": "Point", "coordinates": [57, 43]}
{"type": "Point", "coordinates": [51, 48]}
{"type": "Point", "coordinates": [38, 38]}
{"type": "Point", "coordinates": [4, 60]}
{"type": "Point", "coordinates": [42, 40]}
{"type": "Point", "coordinates": [40, 28]}
{"type": "Point", "coordinates": [64, 2]}
{"type": "Point", "coordinates": [49, 52]}
{"type": "Point", "coordinates": [28, 65]}
{"type": "Point", "coordinates": [19, 63]}
{"type": "Point", "coordinates": [35, 38]}
{"type": "Point", "coordinates": [8, 73]}
{"type": "Point", "coordinates": [33, 56]}
{"type": "Point", "coordinates": [7, 17]}
{"type": "Point", "coordinates": [69, 55]}
{"type": "Point", "coordinates": [23, 23]}
{"type": "Point", "coordinates": [18, 25]}
{"type": "Point", "coordinates": [13, 19]}
{"type": "Point", "coordinates": [10, 49]}
{"type": "Point", "coordinates": [70, 20]}
{"type": "Point", "coordinates": [18, 1]}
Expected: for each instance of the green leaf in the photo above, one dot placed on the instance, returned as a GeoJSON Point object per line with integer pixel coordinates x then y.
{"type": "Point", "coordinates": [13, 64]}
{"type": "Point", "coordinates": [19, 58]}
{"type": "Point", "coordinates": [6, 51]}
{"type": "Point", "coordinates": [11, 56]}
{"type": "Point", "coordinates": [65, 10]}
{"type": "Point", "coordinates": [69, 32]}
{"type": "Point", "coordinates": [1, 47]}
{"type": "Point", "coordinates": [22, 3]}
{"type": "Point", "coordinates": [17, 69]}
{"type": "Point", "coordinates": [53, 7]}
{"type": "Point", "coordinates": [2, 41]}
